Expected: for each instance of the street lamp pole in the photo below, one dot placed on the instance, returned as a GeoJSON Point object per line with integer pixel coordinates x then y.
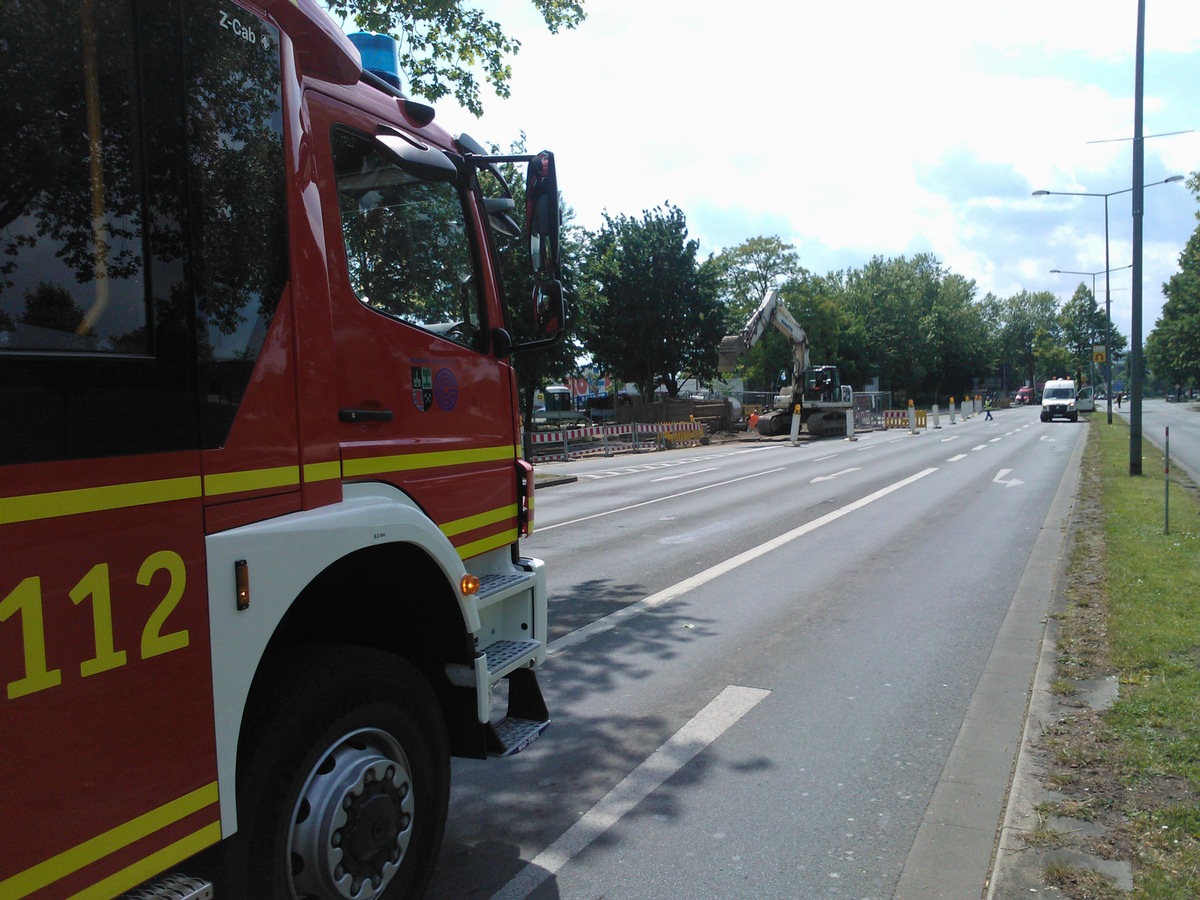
{"type": "Point", "coordinates": [1107, 310]}
{"type": "Point", "coordinates": [1135, 319]}
{"type": "Point", "coordinates": [1136, 357]}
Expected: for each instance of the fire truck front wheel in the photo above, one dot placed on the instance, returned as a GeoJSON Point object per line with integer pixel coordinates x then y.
{"type": "Point", "coordinates": [345, 793]}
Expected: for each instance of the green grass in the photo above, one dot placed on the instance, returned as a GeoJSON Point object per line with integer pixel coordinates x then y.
{"type": "Point", "coordinates": [1152, 586]}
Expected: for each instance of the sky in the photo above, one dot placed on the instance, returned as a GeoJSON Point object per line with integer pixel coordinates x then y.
{"type": "Point", "coordinates": [866, 128]}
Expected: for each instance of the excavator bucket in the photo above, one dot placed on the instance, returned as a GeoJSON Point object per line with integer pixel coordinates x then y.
{"type": "Point", "coordinates": [729, 351]}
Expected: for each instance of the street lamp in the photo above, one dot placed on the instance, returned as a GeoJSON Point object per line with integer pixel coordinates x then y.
{"type": "Point", "coordinates": [1135, 397]}
{"type": "Point", "coordinates": [1107, 323]}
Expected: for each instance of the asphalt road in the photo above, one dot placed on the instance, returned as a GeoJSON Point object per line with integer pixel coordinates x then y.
{"type": "Point", "coordinates": [777, 671]}
{"type": "Point", "coordinates": [1183, 419]}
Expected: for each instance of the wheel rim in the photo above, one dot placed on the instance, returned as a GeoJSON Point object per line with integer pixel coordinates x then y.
{"type": "Point", "coordinates": [353, 822]}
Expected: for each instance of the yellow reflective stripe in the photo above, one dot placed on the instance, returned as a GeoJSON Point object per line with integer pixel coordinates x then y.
{"type": "Point", "coordinates": [406, 462]}
{"type": "Point", "coordinates": [96, 499]}
{"type": "Point", "coordinates": [145, 869]}
{"type": "Point", "coordinates": [324, 471]}
{"type": "Point", "coordinates": [25, 883]}
{"type": "Point", "coordinates": [504, 539]}
{"type": "Point", "coordinates": [50, 505]}
{"type": "Point", "coordinates": [491, 517]}
{"type": "Point", "coordinates": [250, 480]}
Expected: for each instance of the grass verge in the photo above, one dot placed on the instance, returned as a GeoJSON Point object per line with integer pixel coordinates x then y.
{"type": "Point", "coordinates": [1133, 609]}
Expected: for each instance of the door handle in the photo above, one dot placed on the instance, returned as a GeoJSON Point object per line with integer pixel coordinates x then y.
{"type": "Point", "coordinates": [365, 415]}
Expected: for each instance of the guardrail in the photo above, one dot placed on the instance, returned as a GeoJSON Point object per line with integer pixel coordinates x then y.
{"type": "Point", "coordinates": [606, 440]}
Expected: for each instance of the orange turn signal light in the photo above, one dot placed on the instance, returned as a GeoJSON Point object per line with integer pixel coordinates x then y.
{"type": "Point", "coordinates": [469, 585]}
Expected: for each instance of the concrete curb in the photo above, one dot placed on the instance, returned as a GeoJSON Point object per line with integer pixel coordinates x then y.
{"type": "Point", "coordinates": [552, 480]}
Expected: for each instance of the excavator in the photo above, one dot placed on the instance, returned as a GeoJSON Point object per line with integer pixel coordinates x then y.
{"type": "Point", "coordinates": [816, 390]}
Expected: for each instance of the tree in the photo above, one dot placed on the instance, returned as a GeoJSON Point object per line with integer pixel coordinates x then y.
{"type": "Point", "coordinates": [747, 272]}
{"type": "Point", "coordinates": [927, 333]}
{"type": "Point", "coordinates": [443, 44]}
{"type": "Point", "coordinates": [1083, 323]}
{"type": "Point", "coordinates": [754, 267]}
{"type": "Point", "coordinates": [1173, 348]}
{"type": "Point", "coordinates": [955, 342]}
{"type": "Point", "coordinates": [652, 312]}
{"type": "Point", "coordinates": [51, 306]}
{"type": "Point", "coordinates": [1029, 334]}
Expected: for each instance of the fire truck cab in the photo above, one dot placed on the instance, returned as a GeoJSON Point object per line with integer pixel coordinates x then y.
{"type": "Point", "coordinates": [260, 478]}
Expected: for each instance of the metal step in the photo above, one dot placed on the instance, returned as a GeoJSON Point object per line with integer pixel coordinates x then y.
{"type": "Point", "coordinates": [504, 656]}
{"type": "Point", "coordinates": [525, 719]}
{"type": "Point", "coordinates": [512, 735]}
{"type": "Point", "coordinates": [496, 587]}
{"type": "Point", "coordinates": [173, 887]}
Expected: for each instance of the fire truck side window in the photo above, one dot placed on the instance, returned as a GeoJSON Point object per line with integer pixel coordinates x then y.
{"type": "Point", "coordinates": [143, 245]}
{"type": "Point", "coordinates": [408, 247]}
{"type": "Point", "coordinates": [71, 230]}
{"type": "Point", "coordinates": [236, 169]}
{"type": "Point", "coordinates": [95, 346]}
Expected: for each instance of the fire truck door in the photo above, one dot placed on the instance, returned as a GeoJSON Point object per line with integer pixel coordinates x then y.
{"type": "Point", "coordinates": [423, 403]}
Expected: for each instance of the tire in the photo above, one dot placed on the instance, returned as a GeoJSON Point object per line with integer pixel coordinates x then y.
{"type": "Point", "coordinates": [343, 783]}
{"type": "Point", "coordinates": [1074, 417]}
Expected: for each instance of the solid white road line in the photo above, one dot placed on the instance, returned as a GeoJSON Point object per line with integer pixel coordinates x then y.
{"type": "Point", "coordinates": [680, 588]}
{"type": "Point", "coordinates": [705, 727]}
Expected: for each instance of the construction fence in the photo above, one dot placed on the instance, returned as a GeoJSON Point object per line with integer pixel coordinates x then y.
{"type": "Point", "coordinates": [871, 413]}
{"type": "Point", "coordinates": [605, 440]}
{"type": "Point", "coordinates": [933, 417]}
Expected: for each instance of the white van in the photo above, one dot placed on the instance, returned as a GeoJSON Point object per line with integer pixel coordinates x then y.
{"type": "Point", "coordinates": [1060, 398]}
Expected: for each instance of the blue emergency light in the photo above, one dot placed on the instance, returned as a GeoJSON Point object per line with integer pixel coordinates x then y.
{"type": "Point", "coordinates": [380, 55]}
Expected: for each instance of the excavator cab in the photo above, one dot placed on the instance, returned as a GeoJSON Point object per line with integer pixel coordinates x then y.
{"type": "Point", "coordinates": [822, 384]}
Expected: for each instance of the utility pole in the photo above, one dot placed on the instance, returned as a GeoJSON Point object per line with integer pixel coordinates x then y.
{"type": "Point", "coordinates": [1135, 356]}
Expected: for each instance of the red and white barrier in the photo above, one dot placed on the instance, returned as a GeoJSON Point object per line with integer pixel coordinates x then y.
{"type": "Point", "coordinates": [548, 446]}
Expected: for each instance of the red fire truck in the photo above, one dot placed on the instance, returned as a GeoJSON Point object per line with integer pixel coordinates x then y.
{"type": "Point", "coordinates": [260, 477]}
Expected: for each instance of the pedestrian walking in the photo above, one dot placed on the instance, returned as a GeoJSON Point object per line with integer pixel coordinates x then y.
{"type": "Point", "coordinates": [987, 408]}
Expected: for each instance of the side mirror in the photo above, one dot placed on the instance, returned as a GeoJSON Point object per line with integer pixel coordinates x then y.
{"type": "Point", "coordinates": [541, 215]}
{"type": "Point", "coordinates": [499, 211]}
{"type": "Point", "coordinates": [550, 309]}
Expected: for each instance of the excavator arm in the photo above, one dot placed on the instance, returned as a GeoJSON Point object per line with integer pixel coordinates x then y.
{"type": "Point", "coordinates": [770, 312]}
{"type": "Point", "coordinates": [823, 410]}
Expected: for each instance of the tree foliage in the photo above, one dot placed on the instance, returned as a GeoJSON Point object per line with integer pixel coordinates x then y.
{"type": "Point", "coordinates": [954, 338]}
{"type": "Point", "coordinates": [927, 333]}
{"type": "Point", "coordinates": [754, 267]}
{"type": "Point", "coordinates": [747, 272]}
{"type": "Point", "coordinates": [1028, 332]}
{"type": "Point", "coordinates": [445, 45]}
{"type": "Point", "coordinates": [652, 311]}
{"type": "Point", "coordinates": [1173, 348]}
